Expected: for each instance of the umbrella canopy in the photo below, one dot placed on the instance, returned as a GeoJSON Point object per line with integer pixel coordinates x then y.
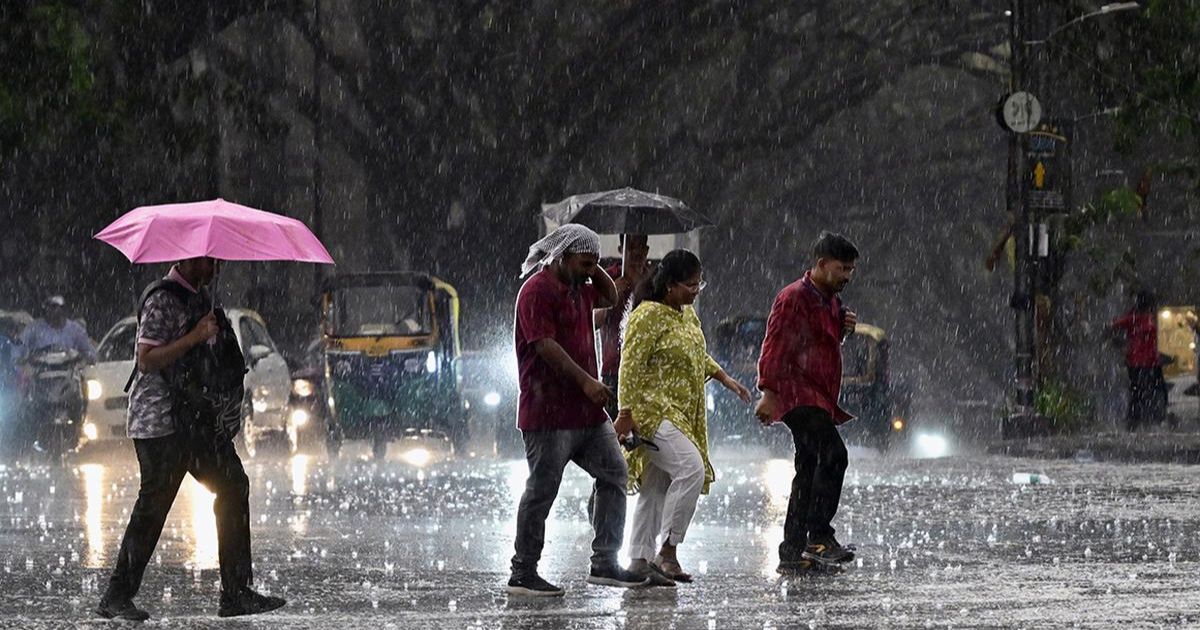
{"type": "Point", "coordinates": [626, 211]}
{"type": "Point", "coordinates": [218, 229]}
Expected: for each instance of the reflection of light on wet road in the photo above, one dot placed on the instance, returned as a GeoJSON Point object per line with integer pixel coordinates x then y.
{"type": "Point", "coordinates": [93, 517]}
{"type": "Point", "coordinates": [300, 475]}
{"type": "Point", "coordinates": [204, 524]}
{"type": "Point", "coordinates": [777, 476]}
{"type": "Point", "coordinates": [299, 465]}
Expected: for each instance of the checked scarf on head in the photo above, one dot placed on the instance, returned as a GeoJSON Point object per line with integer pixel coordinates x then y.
{"type": "Point", "coordinates": [571, 238]}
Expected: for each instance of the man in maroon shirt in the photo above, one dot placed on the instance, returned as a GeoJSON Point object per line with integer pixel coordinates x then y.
{"type": "Point", "coordinates": [800, 376]}
{"type": "Point", "coordinates": [1147, 387]}
{"type": "Point", "coordinates": [561, 405]}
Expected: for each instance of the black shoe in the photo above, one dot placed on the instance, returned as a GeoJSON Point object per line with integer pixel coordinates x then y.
{"type": "Point", "coordinates": [121, 608]}
{"type": "Point", "coordinates": [248, 602]}
{"type": "Point", "coordinates": [616, 576]}
{"type": "Point", "coordinates": [793, 567]}
{"type": "Point", "coordinates": [532, 586]}
{"type": "Point", "coordinates": [828, 550]}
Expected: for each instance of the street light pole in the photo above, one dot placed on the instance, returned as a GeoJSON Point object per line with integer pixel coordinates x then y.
{"type": "Point", "coordinates": [1024, 420]}
{"type": "Point", "coordinates": [1022, 297]}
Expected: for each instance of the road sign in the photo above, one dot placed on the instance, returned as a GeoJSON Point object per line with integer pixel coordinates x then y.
{"type": "Point", "coordinates": [1048, 165]}
{"type": "Point", "coordinates": [1020, 112]}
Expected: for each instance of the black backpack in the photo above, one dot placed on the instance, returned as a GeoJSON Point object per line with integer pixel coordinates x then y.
{"type": "Point", "coordinates": [207, 383]}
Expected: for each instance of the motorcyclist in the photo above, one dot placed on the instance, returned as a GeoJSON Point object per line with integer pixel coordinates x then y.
{"type": "Point", "coordinates": [54, 330]}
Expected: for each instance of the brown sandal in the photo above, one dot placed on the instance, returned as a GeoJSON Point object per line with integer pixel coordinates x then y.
{"type": "Point", "coordinates": [672, 569]}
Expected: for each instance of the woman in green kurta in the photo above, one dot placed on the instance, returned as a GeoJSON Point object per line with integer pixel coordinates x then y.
{"type": "Point", "coordinates": [664, 366]}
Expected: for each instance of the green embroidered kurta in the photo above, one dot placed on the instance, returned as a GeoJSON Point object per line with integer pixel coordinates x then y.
{"type": "Point", "coordinates": [664, 365]}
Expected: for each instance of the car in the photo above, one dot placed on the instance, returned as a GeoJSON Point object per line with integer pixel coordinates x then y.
{"type": "Point", "coordinates": [268, 383]}
{"type": "Point", "coordinates": [489, 391]}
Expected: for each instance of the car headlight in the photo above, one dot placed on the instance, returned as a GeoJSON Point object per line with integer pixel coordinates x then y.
{"type": "Point", "coordinates": [94, 389]}
{"type": "Point", "coordinates": [431, 362]}
{"type": "Point", "coordinates": [299, 417]}
{"type": "Point", "coordinates": [303, 387]}
{"type": "Point", "coordinates": [90, 431]}
{"type": "Point", "coordinates": [491, 399]}
{"type": "Point", "coordinates": [931, 445]}
{"type": "Point", "coordinates": [260, 405]}
{"type": "Point", "coordinates": [418, 457]}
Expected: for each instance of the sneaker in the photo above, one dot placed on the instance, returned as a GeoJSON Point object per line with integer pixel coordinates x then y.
{"type": "Point", "coordinates": [793, 567]}
{"type": "Point", "coordinates": [533, 586]}
{"type": "Point", "coordinates": [648, 570]}
{"type": "Point", "coordinates": [121, 608]}
{"type": "Point", "coordinates": [616, 576]}
{"type": "Point", "coordinates": [828, 550]}
{"type": "Point", "coordinates": [248, 602]}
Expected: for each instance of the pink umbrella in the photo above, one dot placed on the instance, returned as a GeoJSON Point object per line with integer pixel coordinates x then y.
{"type": "Point", "coordinates": [218, 229]}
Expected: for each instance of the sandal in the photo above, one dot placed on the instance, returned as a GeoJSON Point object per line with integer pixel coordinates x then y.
{"type": "Point", "coordinates": [649, 570]}
{"type": "Point", "coordinates": [671, 569]}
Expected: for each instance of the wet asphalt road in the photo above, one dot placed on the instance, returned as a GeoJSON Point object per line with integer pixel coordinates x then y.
{"type": "Point", "coordinates": [951, 542]}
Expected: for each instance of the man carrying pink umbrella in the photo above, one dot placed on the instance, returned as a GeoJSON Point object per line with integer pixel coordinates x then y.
{"type": "Point", "coordinates": [184, 406]}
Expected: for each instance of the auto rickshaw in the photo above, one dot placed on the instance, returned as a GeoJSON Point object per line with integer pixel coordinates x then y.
{"type": "Point", "coordinates": [391, 348]}
{"type": "Point", "coordinates": [867, 391]}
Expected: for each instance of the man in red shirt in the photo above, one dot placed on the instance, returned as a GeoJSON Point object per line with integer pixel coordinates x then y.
{"type": "Point", "coordinates": [800, 376]}
{"type": "Point", "coordinates": [1146, 383]}
{"type": "Point", "coordinates": [560, 410]}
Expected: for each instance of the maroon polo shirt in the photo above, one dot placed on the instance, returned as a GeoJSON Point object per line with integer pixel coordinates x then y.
{"type": "Point", "coordinates": [801, 358]}
{"type": "Point", "coordinates": [547, 308]}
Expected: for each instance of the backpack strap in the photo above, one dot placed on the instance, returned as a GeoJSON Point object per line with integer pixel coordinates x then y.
{"type": "Point", "coordinates": [162, 284]}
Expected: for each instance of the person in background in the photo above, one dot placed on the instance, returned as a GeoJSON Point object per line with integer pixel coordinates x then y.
{"type": "Point", "coordinates": [626, 275]}
{"type": "Point", "coordinates": [1147, 385]}
{"type": "Point", "coordinates": [55, 330]}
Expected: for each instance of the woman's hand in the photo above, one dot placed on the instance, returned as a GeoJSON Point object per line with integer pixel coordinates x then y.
{"type": "Point", "coordinates": [734, 386]}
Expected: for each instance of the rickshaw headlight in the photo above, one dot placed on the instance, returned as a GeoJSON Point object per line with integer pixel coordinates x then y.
{"type": "Point", "coordinates": [95, 390]}
{"type": "Point", "coordinates": [303, 387]}
{"type": "Point", "coordinates": [431, 362]}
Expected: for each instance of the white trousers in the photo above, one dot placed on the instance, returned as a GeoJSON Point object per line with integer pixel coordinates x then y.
{"type": "Point", "coordinates": [671, 485]}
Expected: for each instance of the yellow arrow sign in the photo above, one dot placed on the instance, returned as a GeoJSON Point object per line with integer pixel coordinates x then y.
{"type": "Point", "coordinates": [1039, 176]}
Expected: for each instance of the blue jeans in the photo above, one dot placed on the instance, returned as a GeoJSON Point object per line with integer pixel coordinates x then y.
{"type": "Point", "coordinates": [596, 451]}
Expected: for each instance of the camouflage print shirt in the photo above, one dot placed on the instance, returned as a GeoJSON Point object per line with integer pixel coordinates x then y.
{"type": "Point", "coordinates": [165, 318]}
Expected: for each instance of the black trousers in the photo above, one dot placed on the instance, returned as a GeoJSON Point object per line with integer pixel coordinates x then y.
{"type": "Point", "coordinates": [817, 487]}
{"type": "Point", "coordinates": [163, 462]}
{"type": "Point", "coordinates": [1147, 397]}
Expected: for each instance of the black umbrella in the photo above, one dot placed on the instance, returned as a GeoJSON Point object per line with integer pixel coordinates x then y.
{"type": "Point", "coordinates": [626, 211]}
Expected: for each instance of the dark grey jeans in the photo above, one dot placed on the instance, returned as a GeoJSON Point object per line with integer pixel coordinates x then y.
{"type": "Point", "coordinates": [596, 451]}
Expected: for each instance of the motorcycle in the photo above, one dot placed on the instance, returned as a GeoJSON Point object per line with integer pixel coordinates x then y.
{"type": "Point", "coordinates": [54, 400]}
